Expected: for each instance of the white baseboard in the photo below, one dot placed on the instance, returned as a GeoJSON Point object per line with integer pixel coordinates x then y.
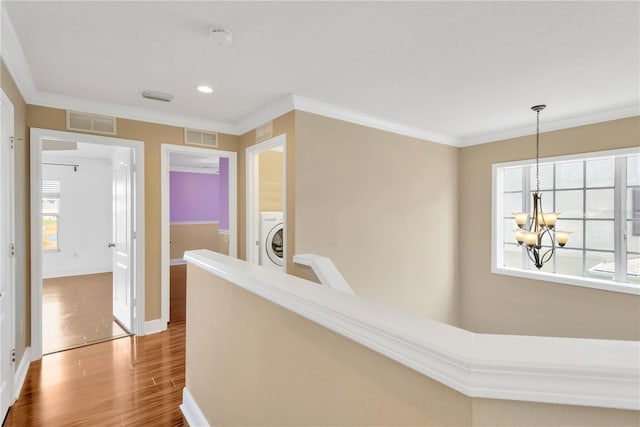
{"type": "Point", "coordinates": [21, 373]}
{"type": "Point", "coordinates": [76, 272]}
{"type": "Point", "coordinates": [154, 326]}
{"type": "Point", "coordinates": [191, 411]}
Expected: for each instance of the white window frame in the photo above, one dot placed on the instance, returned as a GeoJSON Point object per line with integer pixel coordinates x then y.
{"type": "Point", "coordinates": [497, 228]}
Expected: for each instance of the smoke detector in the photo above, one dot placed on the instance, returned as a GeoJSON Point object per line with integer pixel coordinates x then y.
{"type": "Point", "coordinates": [220, 36]}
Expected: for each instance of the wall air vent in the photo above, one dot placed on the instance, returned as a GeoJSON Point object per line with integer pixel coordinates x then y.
{"type": "Point", "coordinates": [157, 96]}
{"type": "Point", "coordinates": [95, 123]}
{"type": "Point", "coordinates": [200, 138]}
{"type": "Point", "coordinates": [264, 132]}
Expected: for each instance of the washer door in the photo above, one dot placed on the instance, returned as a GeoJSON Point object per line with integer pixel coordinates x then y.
{"type": "Point", "coordinates": [275, 245]}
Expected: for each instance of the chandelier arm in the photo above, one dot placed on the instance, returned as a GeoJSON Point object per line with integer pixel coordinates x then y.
{"type": "Point", "coordinates": [534, 256]}
{"type": "Point", "coordinates": [547, 255]}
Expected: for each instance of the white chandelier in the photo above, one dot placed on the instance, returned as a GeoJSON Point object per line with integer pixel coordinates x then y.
{"type": "Point", "coordinates": [542, 225]}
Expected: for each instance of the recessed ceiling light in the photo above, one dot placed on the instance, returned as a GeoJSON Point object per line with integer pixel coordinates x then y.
{"type": "Point", "coordinates": [205, 89]}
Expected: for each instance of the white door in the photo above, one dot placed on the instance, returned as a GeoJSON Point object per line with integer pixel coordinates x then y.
{"type": "Point", "coordinates": [123, 239]}
{"type": "Point", "coordinates": [7, 262]}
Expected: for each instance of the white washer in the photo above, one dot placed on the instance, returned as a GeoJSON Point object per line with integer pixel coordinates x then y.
{"type": "Point", "coordinates": [271, 240]}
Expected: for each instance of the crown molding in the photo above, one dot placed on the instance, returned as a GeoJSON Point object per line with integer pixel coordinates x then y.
{"type": "Point", "coordinates": [16, 62]}
{"type": "Point", "coordinates": [13, 56]}
{"type": "Point", "coordinates": [336, 112]}
{"type": "Point", "coordinates": [268, 113]}
{"type": "Point", "coordinates": [133, 113]}
{"type": "Point", "coordinates": [570, 122]}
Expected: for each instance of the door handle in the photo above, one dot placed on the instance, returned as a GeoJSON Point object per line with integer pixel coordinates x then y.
{"type": "Point", "coordinates": [112, 245]}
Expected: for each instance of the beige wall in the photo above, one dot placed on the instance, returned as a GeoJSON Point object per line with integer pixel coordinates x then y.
{"type": "Point", "coordinates": [245, 352]}
{"type": "Point", "coordinates": [185, 237]}
{"type": "Point", "coordinates": [500, 304]}
{"type": "Point", "coordinates": [22, 230]}
{"type": "Point", "coordinates": [383, 207]}
{"type": "Point", "coordinates": [285, 124]}
{"type": "Point", "coordinates": [153, 136]}
{"type": "Point", "coordinates": [270, 180]}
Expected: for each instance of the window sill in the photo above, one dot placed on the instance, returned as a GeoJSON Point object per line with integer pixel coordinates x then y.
{"type": "Point", "coordinates": [603, 285]}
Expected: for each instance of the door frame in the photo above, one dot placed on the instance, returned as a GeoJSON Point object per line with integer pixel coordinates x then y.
{"type": "Point", "coordinates": [165, 257]}
{"type": "Point", "coordinates": [37, 135]}
{"type": "Point", "coordinates": [252, 213]}
{"type": "Point", "coordinates": [8, 261]}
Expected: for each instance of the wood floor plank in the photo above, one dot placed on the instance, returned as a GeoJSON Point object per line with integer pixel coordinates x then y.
{"type": "Point", "coordinates": [77, 310]}
{"type": "Point", "coordinates": [131, 381]}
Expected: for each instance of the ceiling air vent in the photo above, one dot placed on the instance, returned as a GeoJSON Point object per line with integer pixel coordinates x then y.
{"type": "Point", "coordinates": [264, 132]}
{"type": "Point", "coordinates": [85, 122]}
{"type": "Point", "coordinates": [201, 138]}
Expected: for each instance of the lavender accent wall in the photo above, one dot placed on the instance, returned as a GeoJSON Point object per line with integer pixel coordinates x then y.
{"type": "Point", "coordinates": [224, 193]}
{"type": "Point", "coordinates": [194, 197]}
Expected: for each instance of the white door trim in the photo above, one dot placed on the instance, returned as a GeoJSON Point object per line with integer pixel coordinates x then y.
{"type": "Point", "coordinates": [8, 266]}
{"type": "Point", "coordinates": [252, 189]}
{"type": "Point", "coordinates": [36, 232]}
{"type": "Point", "coordinates": [165, 151]}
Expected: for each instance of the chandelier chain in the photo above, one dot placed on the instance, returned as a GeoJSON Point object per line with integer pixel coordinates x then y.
{"type": "Point", "coordinates": [537, 151]}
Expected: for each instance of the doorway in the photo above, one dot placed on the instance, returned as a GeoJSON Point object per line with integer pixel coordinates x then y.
{"type": "Point", "coordinates": [199, 211]}
{"type": "Point", "coordinates": [266, 203]}
{"type": "Point", "coordinates": [77, 234]}
{"type": "Point", "coordinates": [7, 260]}
{"type": "Point", "coordinates": [87, 239]}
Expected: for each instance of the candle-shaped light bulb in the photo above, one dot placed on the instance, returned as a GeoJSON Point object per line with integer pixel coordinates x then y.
{"type": "Point", "coordinates": [530, 238]}
{"type": "Point", "coordinates": [519, 235]}
{"type": "Point", "coordinates": [562, 237]}
{"type": "Point", "coordinates": [521, 218]}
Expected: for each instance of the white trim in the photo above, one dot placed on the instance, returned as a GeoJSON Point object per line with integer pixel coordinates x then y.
{"type": "Point", "coordinates": [583, 282]}
{"type": "Point", "coordinates": [77, 271]}
{"type": "Point", "coordinates": [270, 112]}
{"type": "Point", "coordinates": [191, 411]}
{"type": "Point", "coordinates": [325, 270]}
{"type": "Point", "coordinates": [336, 112]}
{"type": "Point", "coordinates": [154, 326]}
{"type": "Point", "coordinates": [193, 222]}
{"type": "Point", "coordinates": [165, 232]}
{"type": "Point", "coordinates": [8, 266]}
{"type": "Point", "coordinates": [252, 188]}
{"type": "Point", "coordinates": [13, 56]}
{"type": "Point", "coordinates": [177, 261]}
{"type": "Point", "coordinates": [223, 232]}
{"type": "Point", "coordinates": [21, 373]}
{"type": "Point", "coordinates": [570, 371]}
{"type": "Point", "coordinates": [570, 122]}
{"type": "Point", "coordinates": [16, 62]}
{"type": "Point", "coordinates": [187, 169]}
{"type": "Point", "coordinates": [36, 232]}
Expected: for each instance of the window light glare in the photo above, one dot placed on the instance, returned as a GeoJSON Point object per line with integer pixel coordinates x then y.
{"type": "Point", "coordinates": [205, 89]}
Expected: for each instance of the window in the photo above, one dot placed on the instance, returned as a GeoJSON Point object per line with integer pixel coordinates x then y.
{"type": "Point", "coordinates": [598, 196]}
{"type": "Point", "coordinates": [50, 214]}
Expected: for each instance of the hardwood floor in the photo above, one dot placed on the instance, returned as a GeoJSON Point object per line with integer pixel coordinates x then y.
{"type": "Point", "coordinates": [131, 381]}
{"type": "Point", "coordinates": [76, 311]}
{"type": "Point", "coordinates": [178, 293]}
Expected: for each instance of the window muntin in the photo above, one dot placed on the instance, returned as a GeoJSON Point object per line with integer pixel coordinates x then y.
{"type": "Point", "coordinates": [50, 215]}
{"type": "Point", "coordinates": [588, 192]}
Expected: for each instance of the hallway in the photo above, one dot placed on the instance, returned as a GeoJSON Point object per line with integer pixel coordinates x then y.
{"type": "Point", "coordinates": [131, 381]}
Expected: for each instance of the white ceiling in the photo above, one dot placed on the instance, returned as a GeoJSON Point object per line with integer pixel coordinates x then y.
{"type": "Point", "coordinates": [454, 72]}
